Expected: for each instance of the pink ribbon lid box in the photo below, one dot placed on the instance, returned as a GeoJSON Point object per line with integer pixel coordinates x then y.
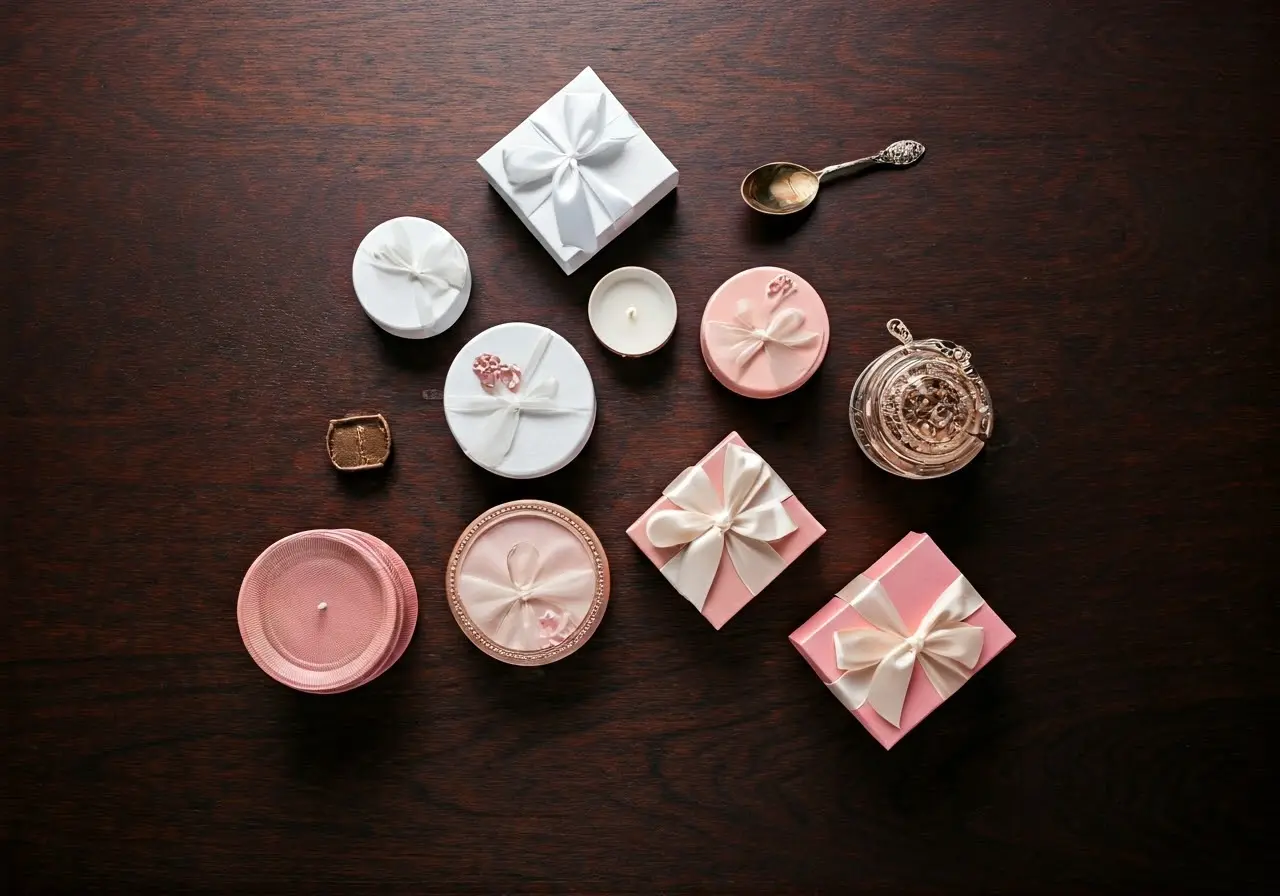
{"type": "Point", "coordinates": [901, 638]}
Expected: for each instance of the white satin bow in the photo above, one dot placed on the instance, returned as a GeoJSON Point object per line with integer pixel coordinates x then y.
{"type": "Point", "coordinates": [504, 408]}
{"type": "Point", "coordinates": [750, 516]}
{"type": "Point", "coordinates": [513, 604]}
{"type": "Point", "coordinates": [742, 338]}
{"type": "Point", "coordinates": [570, 144]}
{"type": "Point", "coordinates": [878, 661]}
{"type": "Point", "coordinates": [438, 267]}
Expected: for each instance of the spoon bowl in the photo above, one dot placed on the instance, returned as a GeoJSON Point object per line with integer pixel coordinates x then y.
{"type": "Point", "coordinates": [780, 188]}
{"type": "Point", "coordinates": [784, 188]}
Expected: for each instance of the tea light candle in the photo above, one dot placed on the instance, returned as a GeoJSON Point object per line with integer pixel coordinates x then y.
{"type": "Point", "coordinates": [632, 311]}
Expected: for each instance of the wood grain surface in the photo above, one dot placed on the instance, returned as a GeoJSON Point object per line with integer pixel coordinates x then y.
{"type": "Point", "coordinates": [182, 186]}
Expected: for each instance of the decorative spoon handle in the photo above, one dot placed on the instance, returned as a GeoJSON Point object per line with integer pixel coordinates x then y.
{"type": "Point", "coordinates": [899, 155]}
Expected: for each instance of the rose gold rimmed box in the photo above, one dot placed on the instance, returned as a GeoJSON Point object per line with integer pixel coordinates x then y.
{"type": "Point", "coordinates": [528, 582]}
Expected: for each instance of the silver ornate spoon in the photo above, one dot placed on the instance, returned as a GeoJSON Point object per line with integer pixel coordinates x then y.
{"type": "Point", "coordinates": [782, 188]}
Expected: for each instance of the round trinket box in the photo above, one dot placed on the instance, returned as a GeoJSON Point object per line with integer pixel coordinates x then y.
{"type": "Point", "coordinates": [920, 410]}
{"type": "Point", "coordinates": [764, 332]}
{"type": "Point", "coordinates": [519, 400]}
{"type": "Point", "coordinates": [528, 582]}
{"type": "Point", "coordinates": [412, 277]}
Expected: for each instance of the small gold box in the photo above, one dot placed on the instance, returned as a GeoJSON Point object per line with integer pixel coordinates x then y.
{"type": "Point", "coordinates": [359, 442]}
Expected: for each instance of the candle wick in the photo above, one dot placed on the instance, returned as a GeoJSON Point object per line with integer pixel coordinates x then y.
{"type": "Point", "coordinates": [631, 312]}
{"type": "Point", "coordinates": [322, 606]}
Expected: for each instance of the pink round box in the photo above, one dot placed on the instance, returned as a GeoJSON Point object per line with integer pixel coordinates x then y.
{"type": "Point", "coordinates": [764, 332]}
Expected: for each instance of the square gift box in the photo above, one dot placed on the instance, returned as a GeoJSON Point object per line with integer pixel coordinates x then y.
{"type": "Point", "coordinates": [579, 171]}
{"type": "Point", "coordinates": [724, 529]}
{"type": "Point", "coordinates": [901, 638]}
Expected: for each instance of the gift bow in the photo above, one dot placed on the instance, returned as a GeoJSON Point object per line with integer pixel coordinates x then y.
{"type": "Point", "coordinates": [504, 407]}
{"type": "Point", "coordinates": [437, 267]}
{"type": "Point", "coordinates": [750, 516]}
{"type": "Point", "coordinates": [742, 339]}
{"type": "Point", "coordinates": [578, 137]}
{"type": "Point", "coordinates": [878, 661]}
{"type": "Point", "coordinates": [513, 603]}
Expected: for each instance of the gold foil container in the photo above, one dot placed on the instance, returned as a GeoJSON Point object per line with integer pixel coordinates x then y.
{"type": "Point", "coordinates": [920, 410]}
{"type": "Point", "coordinates": [359, 442]}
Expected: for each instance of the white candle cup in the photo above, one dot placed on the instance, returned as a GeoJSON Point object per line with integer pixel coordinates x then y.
{"type": "Point", "coordinates": [632, 311]}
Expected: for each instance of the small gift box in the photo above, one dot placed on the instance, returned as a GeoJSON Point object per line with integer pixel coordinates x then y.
{"type": "Point", "coordinates": [579, 171]}
{"type": "Point", "coordinates": [901, 638]}
{"type": "Point", "coordinates": [725, 529]}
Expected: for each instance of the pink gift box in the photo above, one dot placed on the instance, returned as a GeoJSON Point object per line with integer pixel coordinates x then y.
{"type": "Point", "coordinates": [913, 575]}
{"type": "Point", "coordinates": [728, 593]}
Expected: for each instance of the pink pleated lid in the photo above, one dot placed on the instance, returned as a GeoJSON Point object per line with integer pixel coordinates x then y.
{"type": "Point", "coordinates": [325, 611]}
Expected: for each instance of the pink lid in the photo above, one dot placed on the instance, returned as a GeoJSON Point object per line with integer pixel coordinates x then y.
{"type": "Point", "coordinates": [528, 582]}
{"type": "Point", "coordinates": [764, 332]}
{"type": "Point", "coordinates": [319, 611]}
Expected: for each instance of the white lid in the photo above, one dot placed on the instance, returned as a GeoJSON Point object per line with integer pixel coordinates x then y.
{"type": "Point", "coordinates": [555, 402]}
{"type": "Point", "coordinates": [407, 266]}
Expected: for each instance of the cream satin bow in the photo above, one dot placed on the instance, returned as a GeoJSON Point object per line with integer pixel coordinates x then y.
{"type": "Point", "coordinates": [504, 408]}
{"type": "Point", "coordinates": [576, 136]}
{"type": "Point", "coordinates": [438, 267]}
{"type": "Point", "coordinates": [878, 661]}
{"type": "Point", "coordinates": [513, 604]}
{"type": "Point", "coordinates": [750, 516]}
{"type": "Point", "coordinates": [742, 338]}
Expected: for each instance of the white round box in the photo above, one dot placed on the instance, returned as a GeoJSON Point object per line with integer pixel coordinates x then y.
{"type": "Point", "coordinates": [407, 266]}
{"type": "Point", "coordinates": [540, 426]}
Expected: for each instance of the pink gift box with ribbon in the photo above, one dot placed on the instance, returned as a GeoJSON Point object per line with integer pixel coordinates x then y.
{"type": "Point", "coordinates": [899, 639]}
{"type": "Point", "coordinates": [724, 529]}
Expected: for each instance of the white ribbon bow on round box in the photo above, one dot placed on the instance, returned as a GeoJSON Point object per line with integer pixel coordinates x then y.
{"type": "Point", "coordinates": [705, 527]}
{"type": "Point", "coordinates": [878, 660]}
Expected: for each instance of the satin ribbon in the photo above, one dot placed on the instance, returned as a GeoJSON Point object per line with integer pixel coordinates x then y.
{"type": "Point", "coordinates": [513, 604]}
{"type": "Point", "coordinates": [505, 408]}
{"type": "Point", "coordinates": [437, 267]}
{"type": "Point", "coordinates": [878, 661]}
{"type": "Point", "coordinates": [750, 516]}
{"type": "Point", "coordinates": [576, 137]}
{"type": "Point", "coordinates": [743, 337]}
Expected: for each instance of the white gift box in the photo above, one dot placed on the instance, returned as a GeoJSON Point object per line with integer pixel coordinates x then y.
{"type": "Point", "coordinates": [579, 171]}
{"type": "Point", "coordinates": [534, 410]}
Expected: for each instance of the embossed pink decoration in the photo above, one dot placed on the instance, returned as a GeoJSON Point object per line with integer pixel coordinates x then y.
{"type": "Point", "coordinates": [555, 625]}
{"type": "Point", "coordinates": [490, 370]}
{"type": "Point", "coordinates": [764, 332]}
{"type": "Point", "coordinates": [780, 287]}
{"type": "Point", "coordinates": [915, 615]}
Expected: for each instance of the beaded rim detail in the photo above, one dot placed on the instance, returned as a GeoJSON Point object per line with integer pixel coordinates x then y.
{"type": "Point", "coordinates": [599, 600]}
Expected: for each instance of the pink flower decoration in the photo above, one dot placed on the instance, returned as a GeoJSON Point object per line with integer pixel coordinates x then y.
{"type": "Point", "coordinates": [490, 370]}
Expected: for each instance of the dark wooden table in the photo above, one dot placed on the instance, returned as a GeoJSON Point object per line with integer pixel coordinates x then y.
{"type": "Point", "coordinates": [184, 185]}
